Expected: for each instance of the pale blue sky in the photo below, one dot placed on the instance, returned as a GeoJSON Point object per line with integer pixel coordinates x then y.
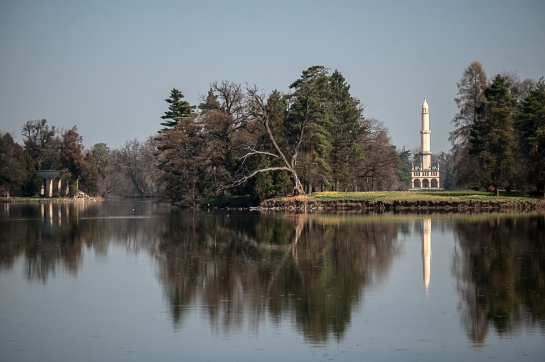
{"type": "Point", "coordinates": [107, 66]}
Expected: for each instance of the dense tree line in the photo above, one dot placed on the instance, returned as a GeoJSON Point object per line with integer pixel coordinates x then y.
{"type": "Point", "coordinates": [499, 139]}
{"type": "Point", "coordinates": [313, 137]}
{"type": "Point", "coordinates": [239, 140]}
{"type": "Point", "coordinates": [45, 148]}
{"type": "Point", "coordinates": [126, 171]}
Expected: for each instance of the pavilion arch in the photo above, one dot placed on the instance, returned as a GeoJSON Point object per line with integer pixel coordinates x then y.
{"type": "Point", "coordinates": [416, 184]}
{"type": "Point", "coordinates": [53, 183]}
{"type": "Point", "coordinates": [425, 183]}
{"type": "Point", "coordinates": [434, 183]}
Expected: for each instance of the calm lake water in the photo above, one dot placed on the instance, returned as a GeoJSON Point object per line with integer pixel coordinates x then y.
{"type": "Point", "coordinates": [132, 281]}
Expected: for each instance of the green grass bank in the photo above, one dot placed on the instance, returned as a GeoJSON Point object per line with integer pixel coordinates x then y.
{"type": "Point", "coordinates": [407, 201]}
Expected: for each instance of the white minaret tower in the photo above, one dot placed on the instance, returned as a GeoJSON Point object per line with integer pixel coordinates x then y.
{"type": "Point", "coordinates": [425, 137]}
{"type": "Point", "coordinates": [425, 175]}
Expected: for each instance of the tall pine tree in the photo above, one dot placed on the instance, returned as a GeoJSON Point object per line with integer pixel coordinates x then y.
{"type": "Point", "coordinates": [308, 127]}
{"type": "Point", "coordinates": [491, 136]}
{"type": "Point", "coordinates": [530, 127]}
{"type": "Point", "coordinates": [345, 129]}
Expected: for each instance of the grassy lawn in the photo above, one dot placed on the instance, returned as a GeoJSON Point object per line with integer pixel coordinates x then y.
{"type": "Point", "coordinates": [417, 196]}
{"type": "Point", "coordinates": [27, 199]}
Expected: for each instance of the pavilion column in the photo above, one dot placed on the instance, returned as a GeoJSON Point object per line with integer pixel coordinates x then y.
{"type": "Point", "coordinates": [48, 187]}
{"type": "Point", "coordinates": [57, 186]}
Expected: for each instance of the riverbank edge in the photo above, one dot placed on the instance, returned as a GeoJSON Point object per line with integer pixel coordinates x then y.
{"type": "Point", "coordinates": [308, 204]}
{"type": "Point", "coordinates": [49, 199]}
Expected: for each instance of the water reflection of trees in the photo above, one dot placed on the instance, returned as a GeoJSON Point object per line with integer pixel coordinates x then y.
{"type": "Point", "coordinates": [51, 236]}
{"type": "Point", "coordinates": [47, 234]}
{"type": "Point", "coordinates": [500, 267]}
{"type": "Point", "coordinates": [244, 267]}
{"type": "Point", "coordinates": [310, 268]}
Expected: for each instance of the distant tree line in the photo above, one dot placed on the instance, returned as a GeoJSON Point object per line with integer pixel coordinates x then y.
{"type": "Point", "coordinates": [499, 136]}
{"type": "Point", "coordinates": [127, 171]}
{"type": "Point", "coordinates": [241, 141]}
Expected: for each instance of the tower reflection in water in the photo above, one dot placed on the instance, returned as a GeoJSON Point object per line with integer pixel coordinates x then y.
{"type": "Point", "coordinates": [426, 253]}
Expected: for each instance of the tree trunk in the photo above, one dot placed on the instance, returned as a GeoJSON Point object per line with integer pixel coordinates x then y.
{"type": "Point", "coordinates": [297, 186]}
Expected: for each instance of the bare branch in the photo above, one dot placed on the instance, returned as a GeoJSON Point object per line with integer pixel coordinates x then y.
{"type": "Point", "coordinates": [256, 152]}
{"type": "Point", "coordinates": [262, 115]}
{"type": "Point", "coordinates": [244, 179]}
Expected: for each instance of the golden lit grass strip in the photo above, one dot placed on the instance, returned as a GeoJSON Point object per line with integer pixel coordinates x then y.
{"type": "Point", "coordinates": [415, 196]}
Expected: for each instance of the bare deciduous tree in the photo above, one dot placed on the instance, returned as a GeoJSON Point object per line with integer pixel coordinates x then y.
{"type": "Point", "coordinates": [42, 142]}
{"type": "Point", "coordinates": [376, 170]}
{"type": "Point", "coordinates": [136, 160]}
{"type": "Point", "coordinates": [258, 112]}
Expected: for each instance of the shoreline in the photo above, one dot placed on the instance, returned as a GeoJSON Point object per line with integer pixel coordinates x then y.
{"type": "Point", "coordinates": [376, 205]}
{"type": "Point", "coordinates": [307, 204]}
{"type": "Point", "coordinates": [13, 200]}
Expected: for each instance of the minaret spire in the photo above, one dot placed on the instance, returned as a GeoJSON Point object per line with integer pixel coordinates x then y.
{"type": "Point", "coordinates": [425, 138]}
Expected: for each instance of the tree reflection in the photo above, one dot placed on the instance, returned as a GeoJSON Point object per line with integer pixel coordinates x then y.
{"type": "Point", "coordinates": [52, 235]}
{"type": "Point", "coordinates": [307, 267]}
{"type": "Point", "coordinates": [47, 234]}
{"type": "Point", "coordinates": [500, 270]}
{"type": "Point", "coordinates": [242, 268]}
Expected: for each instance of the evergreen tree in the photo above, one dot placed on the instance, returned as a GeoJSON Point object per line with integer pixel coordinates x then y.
{"type": "Point", "coordinates": [403, 167]}
{"type": "Point", "coordinates": [277, 109]}
{"type": "Point", "coordinates": [177, 109]}
{"type": "Point", "coordinates": [491, 136]}
{"type": "Point", "coordinates": [345, 130]}
{"type": "Point", "coordinates": [530, 125]}
{"type": "Point", "coordinates": [183, 164]}
{"type": "Point", "coordinates": [182, 158]}
{"type": "Point", "coordinates": [209, 102]}
{"type": "Point", "coordinates": [308, 127]}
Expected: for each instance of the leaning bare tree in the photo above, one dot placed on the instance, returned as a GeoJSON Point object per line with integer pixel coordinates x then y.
{"type": "Point", "coordinates": [300, 126]}
{"type": "Point", "coordinates": [261, 113]}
